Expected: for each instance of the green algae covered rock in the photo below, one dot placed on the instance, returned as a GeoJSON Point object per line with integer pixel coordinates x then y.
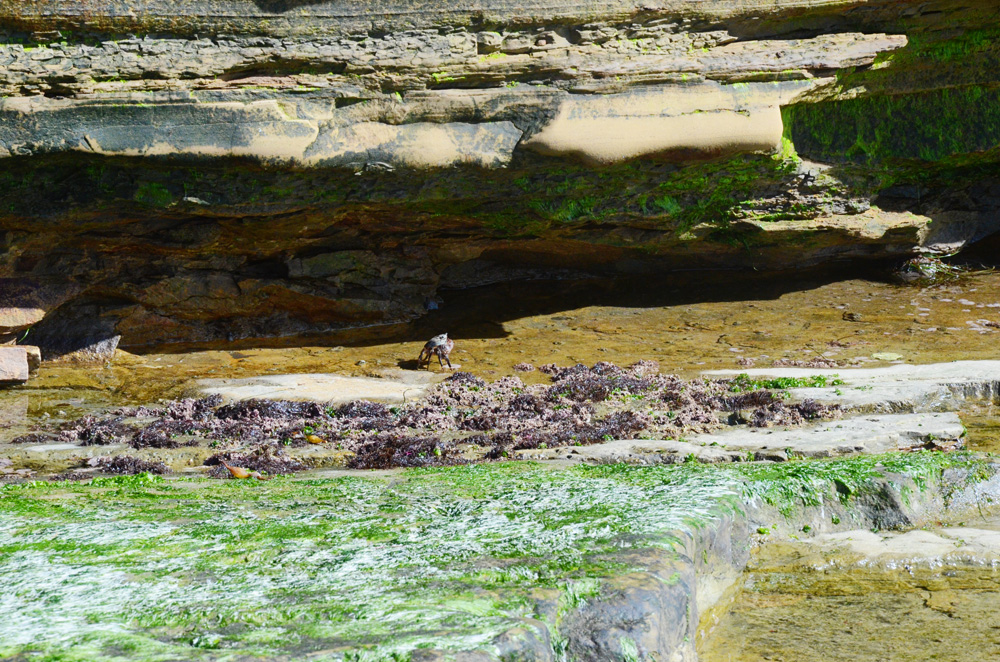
{"type": "Point", "coordinates": [477, 562]}
{"type": "Point", "coordinates": [453, 560]}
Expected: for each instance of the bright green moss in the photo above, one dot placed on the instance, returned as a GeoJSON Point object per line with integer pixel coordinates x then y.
{"type": "Point", "coordinates": [153, 194]}
{"type": "Point", "coordinates": [743, 382]}
{"type": "Point", "coordinates": [951, 48]}
{"type": "Point", "coordinates": [926, 127]}
{"type": "Point", "coordinates": [536, 199]}
{"type": "Point", "coordinates": [444, 558]}
{"type": "Point", "coordinates": [794, 484]}
{"type": "Point", "coordinates": [447, 558]}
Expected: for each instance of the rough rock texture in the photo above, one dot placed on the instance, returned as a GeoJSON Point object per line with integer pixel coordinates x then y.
{"type": "Point", "coordinates": [898, 388]}
{"type": "Point", "coordinates": [324, 388]}
{"type": "Point", "coordinates": [197, 172]}
{"type": "Point", "coordinates": [864, 434]}
{"type": "Point", "coordinates": [661, 613]}
{"type": "Point", "coordinates": [13, 365]}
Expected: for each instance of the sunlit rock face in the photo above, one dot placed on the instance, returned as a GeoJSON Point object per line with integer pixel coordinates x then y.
{"type": "Point", "coordinates": [203, 172]}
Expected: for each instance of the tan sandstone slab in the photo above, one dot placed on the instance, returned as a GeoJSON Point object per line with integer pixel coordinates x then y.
{"type": "Point", "coordinates": [13, 365]}
{"type": "Point", "coordinates": [897, 388]}
{"type": "Point", "coordinates": [948, 545]}
{"type": "Point", "coordinates": [327, 388]}
{"type": "Point", "coordinates": [863, 434]}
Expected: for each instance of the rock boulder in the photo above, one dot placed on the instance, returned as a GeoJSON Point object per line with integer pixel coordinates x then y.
{"type": "Point", "coordinates": [13, 365]}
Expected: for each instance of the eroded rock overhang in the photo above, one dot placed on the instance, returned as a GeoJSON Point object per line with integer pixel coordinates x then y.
{"type": "Point", "coordinates": [418, 100]}
{"type": "Point", "coordinates": [198, 172]}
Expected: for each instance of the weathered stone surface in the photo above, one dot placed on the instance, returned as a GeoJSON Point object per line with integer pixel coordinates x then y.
{"type": "Point", "coordinates": [15, 318]}
{"type": "Point", "coordinates": [863, 434]}
{"type": "Point", "coordinates": [320, 388]}
{"type": "Point", "coordinates": [898, 388]}
{"type": "Point", "coordinates": [283, 17]}
{"type": "Point", "coordinates": [946, 545]}
{"type": "Point", "coordinates": [909, 583]}
{"type": "Point", "coordinates": [665, 121]}
{"type": "Point", "coordinates": [24, 302]}
{"type": "Point", "coordinates": [13, 365]}
{"type": "Point", "coordinates": [638, 451]}
{"type": "Point", "coordinates": [417, 145]}
{"type": "Point", "coordinates": [83, 348]}
{"type": "Point", "coordinates": [929, 394]}
{"type": "Point", "coordinates": [684, 120]}
{"type": "Point", "coordinates": [34, 357]}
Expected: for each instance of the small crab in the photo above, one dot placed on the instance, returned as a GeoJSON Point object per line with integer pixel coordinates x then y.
{"type": "Point", "coordinates": [439, 346]}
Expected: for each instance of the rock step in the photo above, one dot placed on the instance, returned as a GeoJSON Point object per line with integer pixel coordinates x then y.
{"type": "Point", "coordinates": [15, 364]}
{"type": "Point", "coordinates": [895, 389]}
{"type": "Point", "coordinates": [397, 386]}
{"type": "Point", "coordinates": [864, 434]}
{"type": "Point", "coordinates": [959, 545]}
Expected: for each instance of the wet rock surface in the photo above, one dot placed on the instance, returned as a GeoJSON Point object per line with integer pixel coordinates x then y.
{"type": "Point", "coordinates": [514, 558]}
{"type": "Point", "coordinates": [868, 434]}
{"type": "Point", "coordinates": [648, 602]}
{"type": "Point", "coordinates": [899, 388]}
{"type": "Point", "coordinates": [218, 174]}
{"type": "Point", "coordinates": [354, 543]}
{"type": "Point", "coordinates": [917, 595]}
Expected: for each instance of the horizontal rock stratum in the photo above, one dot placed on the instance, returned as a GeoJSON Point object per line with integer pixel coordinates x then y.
{"type": "Point", "coordinates": [707, 111]}
{"type": "Point", "coordinates": [202, 172]}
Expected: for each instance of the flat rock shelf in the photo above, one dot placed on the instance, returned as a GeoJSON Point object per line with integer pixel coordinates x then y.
{"type": "Point", "coordinates": [476, 563]}
{"type": "Point", "coordinates": [623, 549]}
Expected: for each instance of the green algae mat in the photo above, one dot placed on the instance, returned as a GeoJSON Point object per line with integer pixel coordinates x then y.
{"type": "Point", "coordinates": [367, 568]}
{"type": "Point", "coordinates": [356, 567]}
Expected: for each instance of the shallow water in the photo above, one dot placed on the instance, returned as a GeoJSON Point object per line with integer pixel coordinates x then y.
{"type": "Point", "coordinates": [983, 423]}
{"type": "Point", "coordinates": [687, 325]}
{"type": "Point", "coordinates": [799, 606]}
{"type": "Point", "coordinates": [899, 622]}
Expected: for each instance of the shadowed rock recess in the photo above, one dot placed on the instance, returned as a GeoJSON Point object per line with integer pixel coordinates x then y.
{"type": "Point", "coordinates": [198, 172]}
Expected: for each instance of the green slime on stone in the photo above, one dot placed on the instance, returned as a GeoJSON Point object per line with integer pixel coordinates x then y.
{"type": "Point", "coordinates": [121, 568]}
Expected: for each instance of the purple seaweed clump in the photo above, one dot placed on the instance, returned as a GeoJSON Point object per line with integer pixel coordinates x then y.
{"type": "Point", "coordinates": [267, 459]}
{"type": "Point", "coordinates": [402, 450]}
{"type": "Point", "coordinates": [258, 409]}
{"type": "Point", "coordinates": [200, 409]}
{"type": "Point", "coordinates": [128, 465]}
{"type": "Point", "coordinates": [465, 379]}
{"type": "Point", "coordinates": [163, 433]}
{"type": "Point", "coordinates": [581, 405]}
{"type": "Point", "coordinates": [32, 438]}
{"type": "Point", "coordinates": [811, 410]}
{"type": "Point", "coordinates": [91, 431]}
{"type": "Point", "coordinates": [364, 415]}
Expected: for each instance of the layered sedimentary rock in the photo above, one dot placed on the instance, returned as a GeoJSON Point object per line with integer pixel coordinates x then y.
{"type": "Point", "coordinates": [199, 172]}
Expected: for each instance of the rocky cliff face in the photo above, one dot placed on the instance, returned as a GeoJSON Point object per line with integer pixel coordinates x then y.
{"type": "Point", "coordinates": [201, 171]}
